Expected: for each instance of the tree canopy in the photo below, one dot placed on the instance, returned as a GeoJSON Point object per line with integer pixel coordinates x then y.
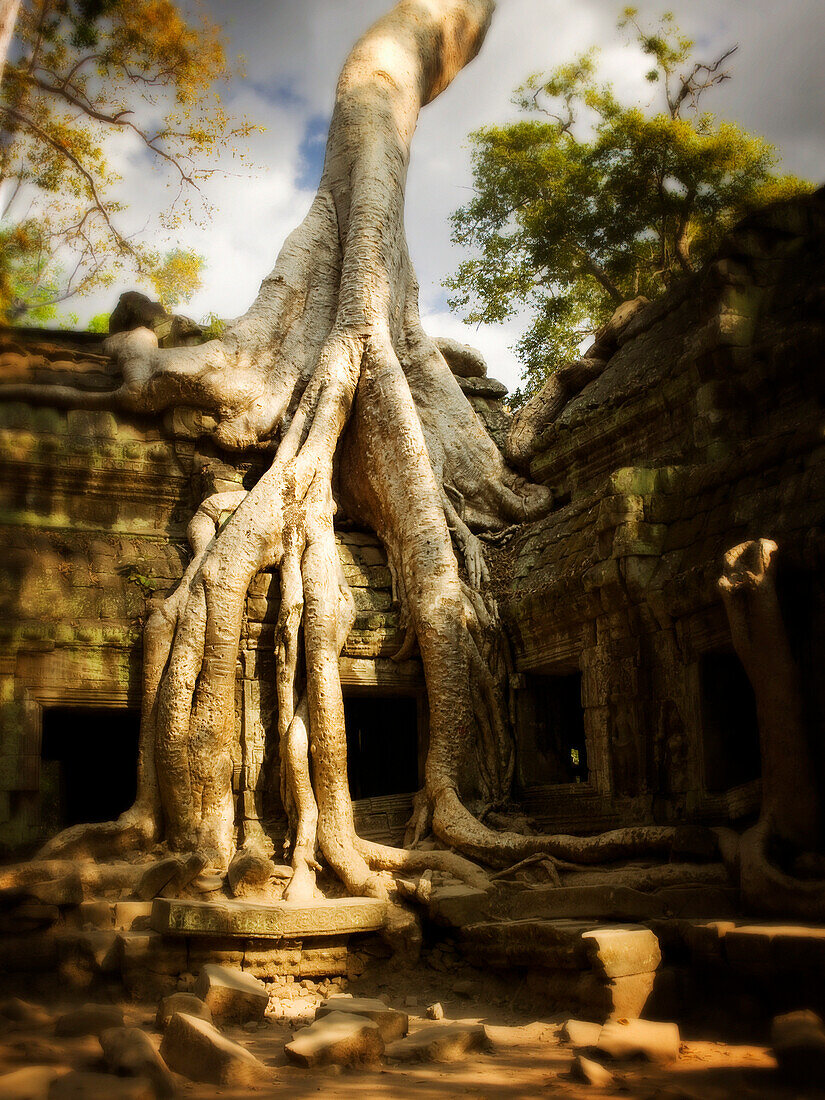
{"type": "Point", "coordinates": [78, 73]}
{"type": "Point", "coordinates": [588, 202]}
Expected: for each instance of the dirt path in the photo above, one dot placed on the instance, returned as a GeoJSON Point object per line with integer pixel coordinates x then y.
{"type": "Point", "coordinates": [527, 1060]}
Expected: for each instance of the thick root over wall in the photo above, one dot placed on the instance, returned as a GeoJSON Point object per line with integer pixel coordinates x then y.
{"type": "Point", "coordinates": [332, 374]}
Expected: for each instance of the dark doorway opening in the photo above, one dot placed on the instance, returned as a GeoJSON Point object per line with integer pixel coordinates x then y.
{"type": "Point", "coordinates": [730, 732]}
{"type": "Point", "coordinates": [89, 764]}
{"type": "Point", "coordinates": [382, 745]}
{"type": "Point", "coordinates": [551, 742]}
{"type": "Point", "coordinates": [802, 601]}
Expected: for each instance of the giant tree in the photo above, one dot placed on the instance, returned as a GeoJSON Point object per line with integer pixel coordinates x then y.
{"type": "Point", "coordinates": [332, 376]}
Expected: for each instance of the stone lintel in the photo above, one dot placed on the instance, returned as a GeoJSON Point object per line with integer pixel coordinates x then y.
{"type": "Point", "coordinates": [280, 920]}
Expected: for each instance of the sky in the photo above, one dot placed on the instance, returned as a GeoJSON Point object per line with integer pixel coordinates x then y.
{"type": "Point", "coordinates": [293, 50]}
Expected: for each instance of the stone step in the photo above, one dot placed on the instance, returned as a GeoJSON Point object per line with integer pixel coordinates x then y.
{"type": "Point", "coordinates": [459, 906]}
{"type": "Point", "coordinates": [765, 949]}
{"type": "Point", "coordinates": [622, 902]}
{"type": "Point", "coordinates": [281, 920]}
{"type": "Point", "coordinates": [776, 967]}
{"type": "Point", "coordinates": [612, 950]}
{"type": "Point", "coordinates": [603, 971]}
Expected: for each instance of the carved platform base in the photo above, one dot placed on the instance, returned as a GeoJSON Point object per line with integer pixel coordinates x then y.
{"type": "Point", "coordinates": [281, 921]}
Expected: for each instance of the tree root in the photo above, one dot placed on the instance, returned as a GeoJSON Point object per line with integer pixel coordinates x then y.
{"type": "Point", "coordinates": [331, 372]}
{"type": "Point", "coordinates": [769, 891]}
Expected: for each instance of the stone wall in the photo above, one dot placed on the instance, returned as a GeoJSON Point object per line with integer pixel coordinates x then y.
{"type": "Point", "coordinates": [705, 430]}
{"type": "Point", "coordinates": [93, 515]}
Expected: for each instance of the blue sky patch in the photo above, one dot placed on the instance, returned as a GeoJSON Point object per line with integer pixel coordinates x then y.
{"type": "Point", "coordinates": [311, 153]}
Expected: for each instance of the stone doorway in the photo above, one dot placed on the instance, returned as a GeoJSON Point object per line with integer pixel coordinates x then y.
{"type": "Point", "coordinates": [730, 731]}
{"type": "Point", "coordinates": [550, 735]}
{"type": "Point", "coordinates": [88, 764]}
{"type": "Point", "coordinates": [382, 745]}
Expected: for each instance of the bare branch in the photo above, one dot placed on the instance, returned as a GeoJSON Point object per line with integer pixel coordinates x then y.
{"type": "Point", "coordinates": [691, 86]}
{"type": "Point", "coordinates": [119, 120]}
{"type": "Point", "coordinates": [44, 136]}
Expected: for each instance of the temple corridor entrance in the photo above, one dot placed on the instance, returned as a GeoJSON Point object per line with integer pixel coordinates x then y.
{"type": "Point", "coordinates": [382, 745]}
{"type": "Point", "coordinates": [89, 764]}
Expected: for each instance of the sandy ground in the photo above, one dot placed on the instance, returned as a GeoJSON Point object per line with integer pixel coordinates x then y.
{"type": "Point", "coordinates": [527, 1060]}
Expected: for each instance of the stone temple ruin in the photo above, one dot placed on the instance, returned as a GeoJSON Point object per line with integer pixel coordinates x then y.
{"type": "Point", "coordinates": [703, 431]}
{"type": "Point", "coordinates": [684, 453]}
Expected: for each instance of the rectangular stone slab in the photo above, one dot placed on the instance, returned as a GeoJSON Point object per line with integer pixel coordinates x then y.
{"type": "Point", "coordinates": [281, 920]}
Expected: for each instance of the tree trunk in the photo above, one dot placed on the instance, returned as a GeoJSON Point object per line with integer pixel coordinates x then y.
{"type": "Point", "coordinates": [8, 17]}
{"type": "Point", "coordinates": [789, 816]}
{"type": "Point", "coordinates": [331, 372]}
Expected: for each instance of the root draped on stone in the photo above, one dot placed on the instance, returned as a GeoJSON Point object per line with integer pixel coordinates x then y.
{"type": "Point", "coordinates": [332, 374]}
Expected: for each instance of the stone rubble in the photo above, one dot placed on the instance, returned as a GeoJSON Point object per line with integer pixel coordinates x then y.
{"type": "Point", "coordinates": [19, 1013]}
{"type": "Point", "coordinates": [798, 1041]}
{"type": "Point", "coordinates": [391, 1023]}
{"type": "Point", "coordinates": [343, 1038]}
{"type": "Point", "coordinates": [591, 1073]}
{"type": "Point", "coordinates": [650, 1039]}
{"type": "Point", "coordinates": [231, 995]}
{"type": "Point", "coordinates": [29, 1083]}
{"type": "Point", "coordinates": [129, 1052]}
{"type": "Point", "coordinates": [446, 1042]}
{"type": "Point", "coordinates": [197, 1050]}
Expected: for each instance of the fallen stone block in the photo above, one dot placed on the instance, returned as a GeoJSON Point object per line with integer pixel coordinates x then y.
{"type": "Point", "coordinates": [590, 995]}
{"type": "Point", "coordinates": [197, 1050]}
{"type": "Point", "coordinates": [339, 1038]}
{"type": "Point", "coordinates": [435, 1011]}
{"type": "Point", "coordinates": [187, 1003]}
{"type": "Point", "coordinates": [189, 869]}
{"type": "Point", "coordinates": [590, 1072]}
{"type": "Point", "coordinates": [391, 1023]}
{"type": "Point", "coordinates": [619, 952]}
{"type": "Point", "coordinates": [457, 906]}
{"type": "Point", "coordinates": [30, 1083]}
{"type": "Point", "coordinates": [90, 1019]}
{"type": "Point", "coordinates": [36, 1050]}
{"type": "Point", "coordinates": [248, 872]}
{"type": "Point", "coordinates": [100, 1086]}
{"type": "Point", "coordinates": [156, 876]}
{"type": "Point", "coordinates": [17, 1013]}
{"type": "Point", "coordinates": [798, 1041]}
{"type": "Point", "coordinates": [580, 1033]}
{"type": "Point", "coordinates": [130, 1052]}
{"type": "Point", "coordinates": [650, 1039]}
{"type": "Point", "coordinates": [231, 995]}
{"type": "Point", "coordinates": [441, 1043]}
